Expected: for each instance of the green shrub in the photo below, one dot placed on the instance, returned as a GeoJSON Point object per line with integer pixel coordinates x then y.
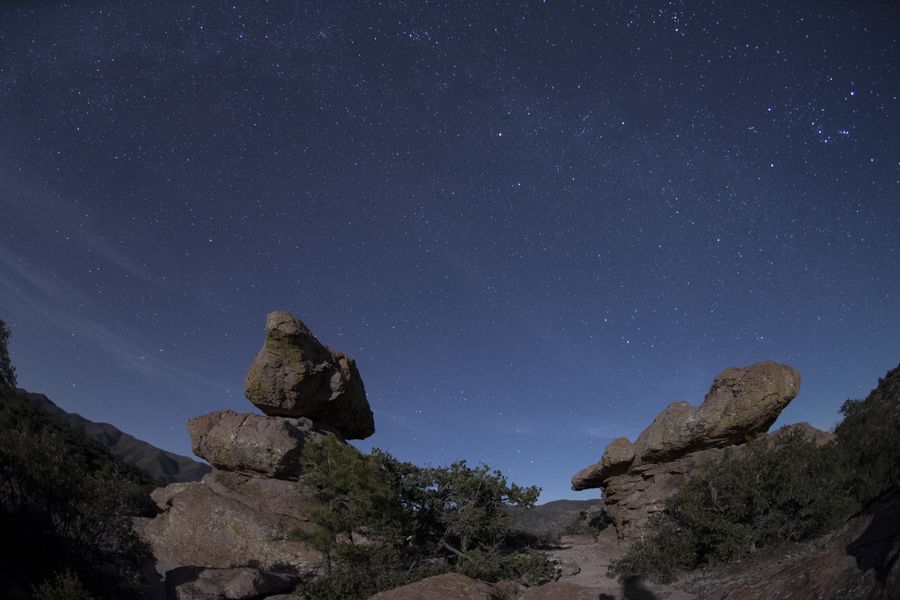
{"type": "Point", "coordinates": [64, 502]}
{"type": "Point", "coordinates": [788, 492]}
{"type": "Point", "coordinates": [531, 567]}
{"type": "Point", "coordinates": [363, 571]}
{"type": "Point", "coordinates": [415, 522]}
{"type": "Point", "coordinates": [63, 586]}
{"type": "Point", "coordinates": [868, 436]}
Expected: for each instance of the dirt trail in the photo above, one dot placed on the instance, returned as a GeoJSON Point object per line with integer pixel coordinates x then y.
{"type": "Point", "coordinates": [584, 562]}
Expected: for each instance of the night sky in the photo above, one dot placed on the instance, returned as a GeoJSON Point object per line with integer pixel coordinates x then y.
{"type": "Point", "coordinates": [534, 225]}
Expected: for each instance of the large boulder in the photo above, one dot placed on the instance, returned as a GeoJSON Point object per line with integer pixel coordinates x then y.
{"type": "Point", "coordinates": [192, 583]}
{"type": "Point", "coordinates": [252, 444]}
{"type": "Point", "coordinates": [741, 403]}
{"type": "Point", "coordinates": [295, 375]}
{"type": "Point", "coordinates": [231, 520]}
{"type": "Point", "coordinates": [451, 586]}
{"type": "Point", "coordinates": [637, 478]}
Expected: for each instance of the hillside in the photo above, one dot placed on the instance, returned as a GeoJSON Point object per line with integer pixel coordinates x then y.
{"type": "Point", "coordinates": [164, 466]}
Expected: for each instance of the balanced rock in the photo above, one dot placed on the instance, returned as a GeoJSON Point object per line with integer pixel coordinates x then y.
{"type": "Point", "coordinates": [637, 478]}
{"type": "Point", "coordinates": [295, 375]}
{"type": "Point", "coordinates": [742, 403]}
{"type": "Point", "coordinates": [252, 444]}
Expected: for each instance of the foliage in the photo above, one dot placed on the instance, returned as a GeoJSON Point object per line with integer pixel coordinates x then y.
{"type": "Point", "coordinates": [788, 492]}
{"type": "Point", "coordinates": [869, 437]}
{"type": "Point", "coordinates": [530, 566]}
{"type": "Point", "coordinates": [360, 571]}
{"type": "Point", "coordinates": [792, 491]}
{"type": "Point", "coordinates": [384, 523]}
{"type": "Point", "coordinates": [62, 586]}
{"type": "Point", "coordinates": [7, 372]}
{"type": "Point", "coordinates": [65, 503]}
{"type": "Point", "coordinates": [353, 491]}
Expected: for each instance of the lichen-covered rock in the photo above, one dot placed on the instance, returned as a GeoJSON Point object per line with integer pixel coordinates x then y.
{"type": "Point", "coordinates": [295, 375]}
{"type": "Point", "coordinates": [741, 403]}
{"type": "Point", "coordinates": [230, 520]}
{"type": "Point", "coordinates": [253, 444]}
{"type": "Point", "coordinates": [637, 478]}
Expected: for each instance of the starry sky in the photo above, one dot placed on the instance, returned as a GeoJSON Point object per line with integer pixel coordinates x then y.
{"type": "Point", "coordinates": [534, 224]}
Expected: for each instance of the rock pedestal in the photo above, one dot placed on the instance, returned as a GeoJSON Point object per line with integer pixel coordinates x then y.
{"type": "Point", "coordinates": [637, 478]}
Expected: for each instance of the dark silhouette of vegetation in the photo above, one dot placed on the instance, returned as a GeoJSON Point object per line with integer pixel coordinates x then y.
{"type": "Point", "coordinates": [788, 491]}
{"type": "Point", "coordinates": [7, 372]}
{"type": "Point", "coordinates": [65, 505]}
{"type": "Point", "coordinates": [385, 523]}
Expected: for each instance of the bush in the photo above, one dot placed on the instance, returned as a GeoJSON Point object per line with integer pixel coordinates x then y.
{"type": "Point", "coordinates": [530, 567]}
{"type": "Point", "coordinates": [869, 439]}
{"type": "Point", "coordinates": [385, 523]}
{"type": "Point", "coordinates": [63, 586]}
{"type": "Point", "coordinates": [64, 502]}
{"type": "Point", "coordinates": [363, 571]}
{"type": "Point", "coordinates": [791, 491]}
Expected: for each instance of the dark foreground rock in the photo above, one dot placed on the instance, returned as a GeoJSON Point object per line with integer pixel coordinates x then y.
{"type": "Point", "coordinates": [295, 375]}
{"type": "Point", "coordinates": [637, 478]}
{"type": "Point", "coordinates": [230, 520]}
{"type": "Point", "coordinates": [191, 583]}
{"type": "Point", "coordinates": [451, 586]}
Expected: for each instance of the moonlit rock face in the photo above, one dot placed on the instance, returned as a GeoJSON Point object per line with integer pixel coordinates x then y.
{"type": "Point", "coordinates": [742, 403]}
{"type": "Point", "coordinates": [295, 375]}
{"type": "Point", "coordinates": [638, 478]}
{"type": "Point", "coordinates": [253, 444]}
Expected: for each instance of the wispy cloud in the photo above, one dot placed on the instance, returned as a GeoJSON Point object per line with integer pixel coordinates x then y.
{"type": "Point", "coordinates": [44, 212]}
{"type": "Point", "coordinates": [49, 287]}
{"type": "Point", "coordinates": [34, 296]}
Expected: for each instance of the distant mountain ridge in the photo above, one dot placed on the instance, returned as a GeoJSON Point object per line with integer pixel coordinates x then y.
{"type": "Point", "coordinates": [165, 466]}
{"type": "Point", "coordinates": [553, 516]}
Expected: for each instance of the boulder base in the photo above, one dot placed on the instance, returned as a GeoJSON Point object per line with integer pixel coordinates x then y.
{"type": "Point", "coordinates": [253, 444]}
{"type": "Point", "coordinates": [228, 520]}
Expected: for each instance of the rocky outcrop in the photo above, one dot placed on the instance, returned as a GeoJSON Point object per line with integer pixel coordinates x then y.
{"type": "Point", "coordinates": [230, 520]}
{"type": "Point", "coordinates": [252, 444]}
{"type": "Point", "coordinates": [451, 586]}
{"type": "Point", "coordinates": [295, 375]}
{"type": "Point", "coordinates": [232, 534]}
{"type": "Point", "coordinates": [637, 478]}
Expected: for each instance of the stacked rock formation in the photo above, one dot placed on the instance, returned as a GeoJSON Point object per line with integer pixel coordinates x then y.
{"type": "Point", "coordinates": [638, 477]}
{"type": "Point", "coordinates": [232, 530]}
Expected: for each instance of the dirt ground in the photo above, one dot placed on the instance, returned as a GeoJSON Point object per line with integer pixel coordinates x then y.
{"type": "Point", "coordinates": [584, 561]}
